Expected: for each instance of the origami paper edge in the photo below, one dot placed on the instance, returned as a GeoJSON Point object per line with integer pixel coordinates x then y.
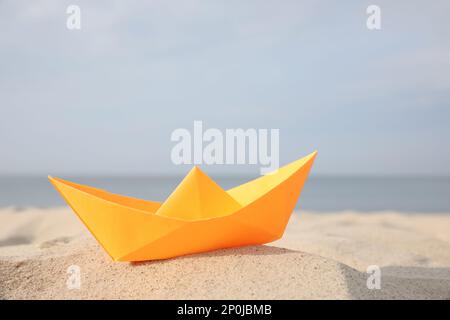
{"type": "Point", "coordinates": [310, 157]}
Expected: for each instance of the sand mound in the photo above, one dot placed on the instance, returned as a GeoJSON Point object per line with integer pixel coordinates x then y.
{"type": "Point", "coordinates": [260, 272]}
{"type": "Point", "coordinates": [253, 272]}
{"type": "Point", "coordinates": [52, 242]}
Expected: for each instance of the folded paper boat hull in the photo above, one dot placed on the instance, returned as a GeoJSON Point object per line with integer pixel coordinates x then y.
{"type": "Point", "coordinates": [131, 229]}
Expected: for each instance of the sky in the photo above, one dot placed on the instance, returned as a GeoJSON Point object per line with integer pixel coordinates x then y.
{"type": "Point", "coordinates": [105, 99]}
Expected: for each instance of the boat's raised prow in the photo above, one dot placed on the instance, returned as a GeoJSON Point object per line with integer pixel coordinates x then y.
{"type": "Point", "coordinates": [131, 229]}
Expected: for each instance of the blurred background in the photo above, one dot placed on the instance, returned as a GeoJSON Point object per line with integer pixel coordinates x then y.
{"type": "Point", "coordinates": [98, 105]}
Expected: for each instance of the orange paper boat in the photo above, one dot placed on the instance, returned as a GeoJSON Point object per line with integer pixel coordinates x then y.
{"type": "Point", "coordinates": [198, 216]}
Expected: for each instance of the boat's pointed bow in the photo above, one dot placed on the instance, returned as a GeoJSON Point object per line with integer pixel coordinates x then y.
{"type": "Point", "coordinates": [51, 179]}
{"type": "Point", "coordinates": [119, 226]}
{"type": "Point", "coordinates": [270, 200]}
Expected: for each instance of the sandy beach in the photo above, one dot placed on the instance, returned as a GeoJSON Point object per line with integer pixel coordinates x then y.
{"type": "Point", "coordinates": [321, 256]}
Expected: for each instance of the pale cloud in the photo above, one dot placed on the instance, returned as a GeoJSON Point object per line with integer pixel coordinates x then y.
{"type": "Point", "coordinates": [117, 88]}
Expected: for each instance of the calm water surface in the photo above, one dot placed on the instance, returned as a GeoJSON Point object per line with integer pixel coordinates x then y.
{"type": "Point", "coordinates": [321, 193]}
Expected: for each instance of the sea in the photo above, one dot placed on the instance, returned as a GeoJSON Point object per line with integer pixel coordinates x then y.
{"type": "Point", "coordinates": [320, 194]}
